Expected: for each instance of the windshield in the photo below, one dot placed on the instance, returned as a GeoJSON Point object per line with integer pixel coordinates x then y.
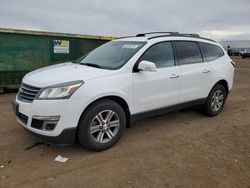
{"type": "Point", "coordinates": [112, 55]}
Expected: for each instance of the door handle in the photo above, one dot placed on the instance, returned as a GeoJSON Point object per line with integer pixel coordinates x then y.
{"type": "Point", "coordinates": [206, 71]}
{"type": "Point", "coordinates": [174, 76]}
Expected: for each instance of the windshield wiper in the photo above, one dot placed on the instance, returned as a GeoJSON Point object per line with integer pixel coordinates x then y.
{"type": "Point", "coordinates": [92, 65]}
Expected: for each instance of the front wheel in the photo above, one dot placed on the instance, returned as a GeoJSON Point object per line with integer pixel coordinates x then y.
{"type": "Point", "coordinates": [102, 125]}
{"type": "Point", "coordinates": [215, 100]}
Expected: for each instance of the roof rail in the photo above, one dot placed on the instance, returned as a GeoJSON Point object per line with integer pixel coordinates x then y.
{"type": "Point", "coordinates": [181, 35]}
{"type": "Point", "coordinates": [168, 34]}
{"type": "Point", "coordinates": [190, 35]}
{"type": "Point", "coordinates": [149, 33]}
{"type": "Point", "coordinates": [176, 34]}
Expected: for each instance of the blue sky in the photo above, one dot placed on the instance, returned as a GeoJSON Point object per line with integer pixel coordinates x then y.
{"type": "Point", "coordinates": [216, 19]}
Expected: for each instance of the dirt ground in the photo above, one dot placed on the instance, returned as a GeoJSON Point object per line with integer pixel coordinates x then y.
{"type": "Point", "coordinates": [182, 149]}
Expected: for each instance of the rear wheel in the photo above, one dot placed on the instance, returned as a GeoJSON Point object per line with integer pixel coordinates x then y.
{"type": "Point", "coordinates": [215, 100]}
{"type": "Point", "coordinates": [102, 125]}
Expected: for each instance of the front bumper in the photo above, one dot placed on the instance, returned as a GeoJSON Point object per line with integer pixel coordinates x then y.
{"type": "Point", "coordinates": [65, 129]}
{"type": "Point", "coordinates": [65, 138]}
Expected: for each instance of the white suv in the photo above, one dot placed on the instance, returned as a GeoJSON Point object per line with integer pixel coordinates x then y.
{"type": "Point", "coordinates": [95, 98]}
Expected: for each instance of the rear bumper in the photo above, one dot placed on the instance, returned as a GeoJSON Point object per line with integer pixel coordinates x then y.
{"type": "Point", "coordinates": [246, 54]}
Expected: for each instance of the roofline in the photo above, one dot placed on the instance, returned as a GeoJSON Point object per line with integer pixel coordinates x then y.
{"type": "Point", "coordinates": [54, 34]}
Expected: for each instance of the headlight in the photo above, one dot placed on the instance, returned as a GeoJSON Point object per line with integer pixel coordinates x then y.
{"type": "Point", "coordinates": [60, 91]}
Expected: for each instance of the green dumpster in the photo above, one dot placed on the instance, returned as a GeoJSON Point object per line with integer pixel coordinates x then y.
{"type": "Point", "coordinates": [22, 51]}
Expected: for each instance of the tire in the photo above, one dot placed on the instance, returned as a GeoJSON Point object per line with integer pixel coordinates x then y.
{"type": "Point", "coordinates": [102, 125]}
{"type": "Point", "coordinates": [215, 101]}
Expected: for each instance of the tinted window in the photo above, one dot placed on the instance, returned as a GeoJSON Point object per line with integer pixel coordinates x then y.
{"type": "Point", "coordinates": [188, 52]}
{"type": "Point", "coordinates": [161, 54]}
{"type": "Point", "coordinates": [210, 52]}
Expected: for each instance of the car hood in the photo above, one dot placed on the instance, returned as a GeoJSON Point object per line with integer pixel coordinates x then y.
{"type": "Point", "coordinates": [64, 72]}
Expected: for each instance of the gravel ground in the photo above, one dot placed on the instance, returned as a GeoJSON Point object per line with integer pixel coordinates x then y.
{"type": "Point", "coordinates": [181, 149]}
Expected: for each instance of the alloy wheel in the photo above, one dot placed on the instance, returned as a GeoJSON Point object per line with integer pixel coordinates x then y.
{"type": "Point", "coordinates": [104, 126]}
{"type": "Point", "coordinates": [217, 100]}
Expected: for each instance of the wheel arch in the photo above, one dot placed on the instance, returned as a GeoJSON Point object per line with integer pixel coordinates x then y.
{"type": "Point", "coordinates": [122, 102]}
{"type": "Point", "coordinates": [224, 83]}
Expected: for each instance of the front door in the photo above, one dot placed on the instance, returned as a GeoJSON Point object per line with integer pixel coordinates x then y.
{"type": "Point", "coordinates": [154, 90]}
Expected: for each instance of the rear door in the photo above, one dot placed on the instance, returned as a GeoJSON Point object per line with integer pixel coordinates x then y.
{"type": "Point", "coordinates": [195, 73]}
{"type": "Point", "coordinates": [153, 90]}
{"type": "Point", "coordinates": [213, 56]}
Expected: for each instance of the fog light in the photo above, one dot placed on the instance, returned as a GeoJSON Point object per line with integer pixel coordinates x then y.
{"type": "Point", "coordinates": [50, 126]}
{"type": "Point", "coordinates": [46, 123]}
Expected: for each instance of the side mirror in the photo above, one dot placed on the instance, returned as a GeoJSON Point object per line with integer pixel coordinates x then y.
{"type": "Point", "coordinates": [147, 66]}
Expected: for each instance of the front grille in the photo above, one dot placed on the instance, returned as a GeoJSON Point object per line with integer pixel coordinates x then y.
{"type": "Point", "coordinates": [27, 93]}
{"type": "Point", "coordinates": [23, 118]}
